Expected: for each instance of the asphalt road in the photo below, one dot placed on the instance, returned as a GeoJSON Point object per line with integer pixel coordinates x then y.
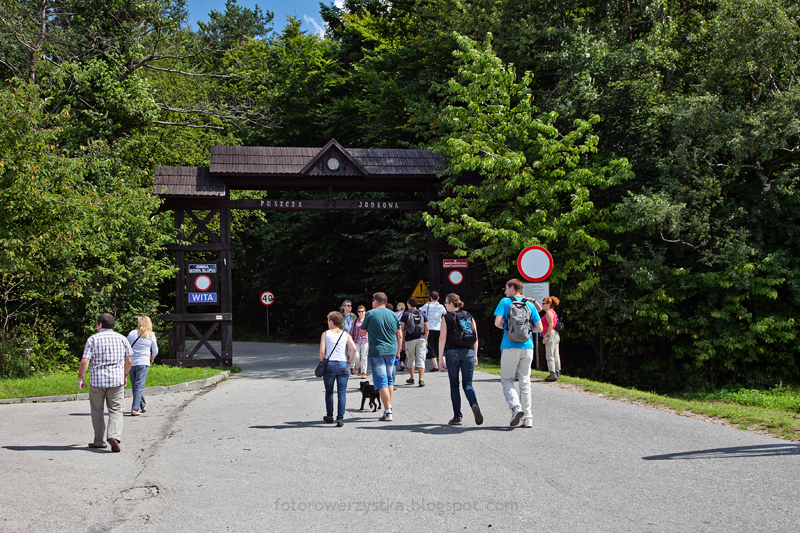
{"type": "Point", "coordinates": [252, 454]}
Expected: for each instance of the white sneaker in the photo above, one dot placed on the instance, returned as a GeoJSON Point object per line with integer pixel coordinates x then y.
{"type": "Point", "coordinates": [386, 417]}
{"type": "Point", "coordinates": [527, 423]}
{"type": "Point", "coordinates": [516, 416]}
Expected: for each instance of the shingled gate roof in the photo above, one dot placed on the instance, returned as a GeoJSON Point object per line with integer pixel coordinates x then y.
{"type": "Point", "coordinates": [187, 181]}
{"type": "Point", "coordinates": [278, 162]}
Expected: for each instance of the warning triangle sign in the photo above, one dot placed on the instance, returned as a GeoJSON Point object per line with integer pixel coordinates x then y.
{"type": "Point", "coordinates": [421, 293]}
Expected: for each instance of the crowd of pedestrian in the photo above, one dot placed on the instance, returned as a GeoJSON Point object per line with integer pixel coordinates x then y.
{"type": "Point", "coordinates": [355, 344]}
{"type": "Point", "coordinates": [448, 335]}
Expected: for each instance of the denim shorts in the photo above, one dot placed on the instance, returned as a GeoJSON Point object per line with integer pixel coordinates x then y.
{"type": "Point", "coordinates": [382, 371]}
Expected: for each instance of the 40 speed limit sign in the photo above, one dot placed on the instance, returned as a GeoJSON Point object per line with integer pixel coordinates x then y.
{"type": "Point", "coordinates": [267, 298]}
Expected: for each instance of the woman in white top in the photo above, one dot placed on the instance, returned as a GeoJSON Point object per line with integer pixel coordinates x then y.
{"type": "Point", "coordinates": [145, 350]}
{"type": "Point", "coordinates": [333, 346]}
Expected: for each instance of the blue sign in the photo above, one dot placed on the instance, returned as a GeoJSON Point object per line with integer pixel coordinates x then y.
{"type": "Point", "coordinates": [209, 268]}
{"type": "Point", "coordinates": [202, 297]}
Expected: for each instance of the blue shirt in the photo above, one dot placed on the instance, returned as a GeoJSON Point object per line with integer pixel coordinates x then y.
{"type": "Point", "coordinates": [502, 310]}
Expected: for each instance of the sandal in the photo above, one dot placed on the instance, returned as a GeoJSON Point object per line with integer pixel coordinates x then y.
{"type": "Point", "coordinates": [410, 381]}
{"type": "Point", "coordinates": [421, 383]}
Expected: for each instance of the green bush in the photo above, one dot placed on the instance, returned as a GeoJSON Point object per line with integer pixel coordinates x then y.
{"type": "Point", "coordinates": [33, 349]}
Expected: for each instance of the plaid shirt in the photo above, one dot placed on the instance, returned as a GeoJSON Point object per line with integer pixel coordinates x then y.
{"type": "Point", "coordinates": [358, 337]}
{"type": "Point", "coordinates": [106, 352]}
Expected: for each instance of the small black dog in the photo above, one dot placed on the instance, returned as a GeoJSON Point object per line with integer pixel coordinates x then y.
{"type": "Point", "coordinates": [368, 391]}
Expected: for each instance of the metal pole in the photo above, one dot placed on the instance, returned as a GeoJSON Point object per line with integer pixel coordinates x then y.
{"type": "Point", "coordinates": [267, 322]}
{"type": "Point", "coordinates": [537, 351]}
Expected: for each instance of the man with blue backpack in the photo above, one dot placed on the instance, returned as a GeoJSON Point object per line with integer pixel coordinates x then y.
{"type": "Point", "coordinates": [519, 321]}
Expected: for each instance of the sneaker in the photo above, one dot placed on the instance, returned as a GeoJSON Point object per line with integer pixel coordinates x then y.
{"type": "Point", "coordinates": [339, 423]}
{"type": "Point", "coordinates": [433, 370]}
{"type": "Point", "coordinates": [386, 417]}
{"type": "Point", "coordinates": [516, 416]}
{"type": "Point", "coordinates": [456, 421]}
{"type": "Point", "coordinates": [421, 383]}
{"type": "Point", "coordinates": [143, 409]}
{"type": "Point", "coordinates": [527, 423]}
{"type": "Point", "coordinates": [134, 413]}
{"type": "Point", "coordinates": [477, 412]}
{"type": "Point", "coordinates": [552, 377]}
{"type": "Point", "coordinates": [328, 419]}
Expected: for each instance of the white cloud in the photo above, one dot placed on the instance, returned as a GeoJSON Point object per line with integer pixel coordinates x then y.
{"type": "Point", "coordinates": [315, 26]}
{"type": "Point", "coordinates": [339, 3]}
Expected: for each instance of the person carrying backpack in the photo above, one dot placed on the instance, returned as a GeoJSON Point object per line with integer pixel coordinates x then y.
{"type": "Point", "coordinates": [519, 320]}
{"type": "Point", "coordinates": [414, 324]}
{"type": "Point", "coordinates": [458, 342]}
{"type": "Point", "coordinates": [550, 336]}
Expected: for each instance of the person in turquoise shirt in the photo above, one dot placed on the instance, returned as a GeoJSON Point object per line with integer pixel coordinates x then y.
{"type": "Point", "coordinates": [385, 339]}
{"type": "Point", "coordinates": [516, 357]}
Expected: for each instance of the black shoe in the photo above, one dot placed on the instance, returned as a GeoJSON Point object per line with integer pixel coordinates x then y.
{"type": "Point", "coordinates": [433, 370]}
{"type": "Point", "coordinates": [477, 412]}
{"type": "Point", "coordinates": [328, 419]}
{"type": "Point", "coordinates": [552, 377]}
{"type": "Point", "coordinates": [339, 423]}
{"type": "Point", "coordinates": [456, 421]}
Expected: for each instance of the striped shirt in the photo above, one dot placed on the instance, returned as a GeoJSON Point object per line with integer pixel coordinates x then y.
{"type": "Point", "coordinates": [106, 352]}
{"type": "Point", "coordinates": [355, 332]}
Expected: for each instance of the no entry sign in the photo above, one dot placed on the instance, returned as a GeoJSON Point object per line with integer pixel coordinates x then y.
{"type": "Point", "coordinates": [535, 263]}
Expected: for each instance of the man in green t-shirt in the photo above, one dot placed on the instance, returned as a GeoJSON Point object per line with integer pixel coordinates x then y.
{"type": "Point", "coordinates": [385, 339]}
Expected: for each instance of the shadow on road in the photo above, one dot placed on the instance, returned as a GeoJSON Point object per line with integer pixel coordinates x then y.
{"type": "Point", "coordinates": [45, 448]}
{"type": "Point", "coordinates": [765, 450]}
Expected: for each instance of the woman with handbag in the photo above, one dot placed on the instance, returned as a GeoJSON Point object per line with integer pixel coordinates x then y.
{"type": "Point", "coordinates": [550, 336]}
{"type": "Point", "coordinates": [145, 350]}
{"type": "Point", "coordinates": [333, 356]}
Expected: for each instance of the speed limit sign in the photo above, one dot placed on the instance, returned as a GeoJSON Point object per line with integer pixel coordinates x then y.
{"type": "Point", "coordinates": [267, 298]}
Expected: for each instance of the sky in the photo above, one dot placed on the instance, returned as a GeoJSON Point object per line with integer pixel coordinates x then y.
{"type": "Point", "coordinates": [305, 10]}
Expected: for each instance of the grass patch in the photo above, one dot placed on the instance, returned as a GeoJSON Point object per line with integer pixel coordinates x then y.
{"type": "Point", "coordinates": [58, 383]}
{"type": "Point", "coordinates": [775, 412]}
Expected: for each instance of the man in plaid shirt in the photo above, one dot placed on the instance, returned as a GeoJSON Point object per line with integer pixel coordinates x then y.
{"type": "Point", "coordinates": [109, 355]}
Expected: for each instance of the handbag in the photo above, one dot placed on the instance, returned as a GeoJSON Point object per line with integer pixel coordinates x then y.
{"type": "Point", "coordinates": [322, 367]}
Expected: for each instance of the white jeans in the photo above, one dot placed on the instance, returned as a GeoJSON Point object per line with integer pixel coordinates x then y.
{"type": "Point", "coordinates": [513, 360]}
{"type": "Point", "coordinates": [360, 360]}
{"type": "Point", "coordinates": [551, 349]}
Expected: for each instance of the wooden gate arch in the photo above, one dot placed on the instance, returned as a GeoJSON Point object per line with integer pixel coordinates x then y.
{"type": "Point", "coordinates": [188, 191]}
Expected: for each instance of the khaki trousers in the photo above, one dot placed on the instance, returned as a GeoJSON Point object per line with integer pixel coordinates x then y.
{"type": "Point", "coordinates": [113, 397]}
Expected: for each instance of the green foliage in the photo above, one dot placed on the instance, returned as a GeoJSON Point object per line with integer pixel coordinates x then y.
{"type": "Point", "coordinates": [78, 237]}
{"type": "Point", "coordinates": [538, 184]}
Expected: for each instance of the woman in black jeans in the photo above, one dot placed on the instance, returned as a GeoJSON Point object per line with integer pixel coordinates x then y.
{"type": "Point", "coordinates": [459, 358]}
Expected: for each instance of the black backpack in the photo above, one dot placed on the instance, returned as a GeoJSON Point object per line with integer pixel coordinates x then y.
{"type": "Point", "coordinates": [463, 333]}
{"type": "Point", "coordinates": [559, 325]}
{"type": "Point", "coordinates": [415, 325]}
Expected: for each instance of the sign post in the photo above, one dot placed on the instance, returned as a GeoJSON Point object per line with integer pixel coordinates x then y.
{"type": "Point", "coordinates": [535, 264]}
{"type": "Point", "coordinates": [267, 298]}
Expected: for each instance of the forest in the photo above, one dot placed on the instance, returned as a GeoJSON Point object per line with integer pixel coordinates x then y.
{"type": "Point", "coordinates": [652, 146]}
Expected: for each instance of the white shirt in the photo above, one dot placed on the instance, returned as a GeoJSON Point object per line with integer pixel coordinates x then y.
{"type": "Point", "coordinates": [337, 353]}
{"type": "Point", "coordinates": [435, 311]}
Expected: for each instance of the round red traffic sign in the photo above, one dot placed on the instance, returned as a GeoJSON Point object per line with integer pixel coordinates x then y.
{"type": "Point", "coordinates": [267, 298]}
{"type": "Point", "coordinates": [202, 283]}
{"type": "Point", "coordinates": [455, 277]}
{"type": "Point", "coordinates": [535, 263]}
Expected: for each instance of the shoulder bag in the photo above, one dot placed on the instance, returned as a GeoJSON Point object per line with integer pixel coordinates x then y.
{"type": "Point", "coordinates": [322, 367]}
